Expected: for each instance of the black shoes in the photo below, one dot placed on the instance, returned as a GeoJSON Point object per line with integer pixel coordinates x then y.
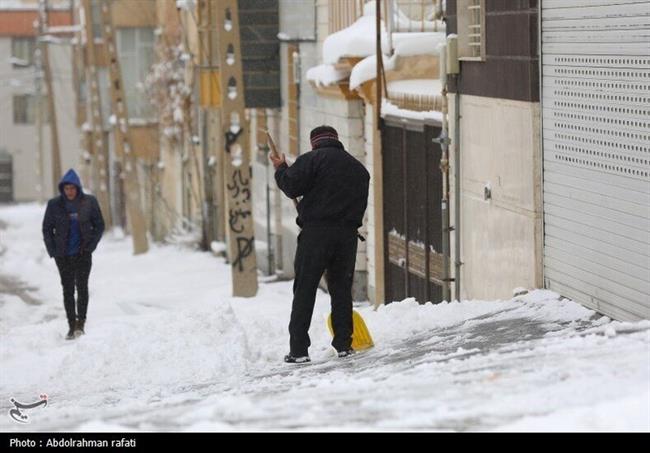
{"type": "Point", "coordinates": [76, 329]}
{"type": "Point", "coordinates": [70, 335]}
{"type": "Point", "coordinates": [346, 353]}
{"type": "Point", "coordinates": [305, 358]}
{"type": "Point", "coordinates": [291, 359]}
{"type": "Point", "coordinates": [79, 328]}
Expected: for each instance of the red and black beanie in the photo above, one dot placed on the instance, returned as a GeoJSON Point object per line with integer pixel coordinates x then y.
{"type": "Point", "coordinates": [322, 133]}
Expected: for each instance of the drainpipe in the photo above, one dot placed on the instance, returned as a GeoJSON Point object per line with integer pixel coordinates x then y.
{"type": "Point", "coordinates": [453, 68]}
{"type": "Point", "coordinates": [443, 141]}
{"type": "Point", "coordinates": [390, 24]}
{"type": "Point", "coordinates": [269, 237]}
{"type": "Point", "coordinates": [444, 168]}
{"type": "Point", "coordinates": [457, 263]}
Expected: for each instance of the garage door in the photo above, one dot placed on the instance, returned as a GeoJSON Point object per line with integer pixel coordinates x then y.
{"type": "Point", "coordinates": [596, 139]}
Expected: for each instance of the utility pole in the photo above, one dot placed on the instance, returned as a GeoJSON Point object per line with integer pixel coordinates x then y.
{"type": "Point", "coordinates": [51, 110]}
{"type": "Point", "coordinates": [238, 174]}
{"type": "Point", "coordinates": [38, 95]}
{"type": "Point", "coordinates": [122, 136]}
{"type": "Point", "coordinates": [210, 99]}
{"type": "Point", "coordinates": [79, 80]}
{"type": "Point", "coordinates": [97, 145]}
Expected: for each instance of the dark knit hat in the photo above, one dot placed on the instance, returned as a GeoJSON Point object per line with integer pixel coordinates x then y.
{"type": "Point", "coordinates": [321, 133]}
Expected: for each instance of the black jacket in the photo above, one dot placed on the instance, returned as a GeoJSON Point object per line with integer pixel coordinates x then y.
{"type": "Point", "coordinates": [56, 225]}
{"type": "Point", "coordinates": [333, 184]}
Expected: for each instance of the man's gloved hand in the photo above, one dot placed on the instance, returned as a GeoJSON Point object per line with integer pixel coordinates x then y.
{"type": "Point", "coordinates": [277, 159]}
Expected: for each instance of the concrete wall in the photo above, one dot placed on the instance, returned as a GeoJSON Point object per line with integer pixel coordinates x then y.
{"type": "Point", "coordinates": [20, 139]}
{"type": "Point", "coordinates": [501, 237]}
{"type": "Point", "coordinates": [314, 110]}
{"type": "Point", "coordinates": [371, 227]}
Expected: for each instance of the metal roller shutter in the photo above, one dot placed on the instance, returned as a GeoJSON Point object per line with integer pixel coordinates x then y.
{"type": "Point", "coordinates": [596, 145]}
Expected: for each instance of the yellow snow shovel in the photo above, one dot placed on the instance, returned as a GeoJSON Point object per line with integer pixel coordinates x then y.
{"type": "Point", "coordinates": [361, 338]}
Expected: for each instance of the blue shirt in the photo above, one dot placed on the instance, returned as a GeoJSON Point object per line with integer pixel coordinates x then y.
{"type": "Point", "coordinates": [74, 235]}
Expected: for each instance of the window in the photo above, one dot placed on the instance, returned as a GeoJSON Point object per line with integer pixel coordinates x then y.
{"type": "Point", "coordinates": [96, 17]}
{"type": "Point", "coordinates": [25, 109]}
{"type": "Point", "coordinates": [136, 54]}
{"type": "Point", "coordinates": [298, 19]}
{"type": "Point", "coordinates": [22, 52]}
{"type": "Point", "coordinates": [471, 29]}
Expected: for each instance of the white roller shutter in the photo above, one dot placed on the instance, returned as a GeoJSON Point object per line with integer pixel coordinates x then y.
{"type": "Point", "coordinates": [596, 146]}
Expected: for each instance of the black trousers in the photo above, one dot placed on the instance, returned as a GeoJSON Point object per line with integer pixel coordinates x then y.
{"type": "Point", "coordinates": [331, 250]}
{"type": "Point", "coordinates": [74, 272]}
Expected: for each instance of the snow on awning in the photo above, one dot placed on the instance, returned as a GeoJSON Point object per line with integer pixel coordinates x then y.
{"type": "Point", "coordinates": [326, 74]}
{"type": "Point", "coordinates": [416, 94]}
{"type": "Point", "coordinates": [366, 70]}
{"type": "Point", "coordinates": [358, 40]}
{"type": "Point", "coordinates": [390, 109]}
{"type": "Point", "coordinates": [408, 44]}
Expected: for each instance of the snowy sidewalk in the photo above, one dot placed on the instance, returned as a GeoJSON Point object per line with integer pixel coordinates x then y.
{"type": "Point", "coordinates": [168, 348]}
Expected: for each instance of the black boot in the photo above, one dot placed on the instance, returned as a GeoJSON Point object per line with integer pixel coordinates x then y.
{"type": "Point", "coordinates": [70, 335]}
{"type": "Point", "coordinates": [79, 328]}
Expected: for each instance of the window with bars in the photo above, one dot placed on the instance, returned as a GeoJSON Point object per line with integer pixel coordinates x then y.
{"type": "Point", "coordinates": [22, 51]}
{"type": "Point", "coordinates": [471, 29]}
{"type": "Point", "coordinates": [136, 54]}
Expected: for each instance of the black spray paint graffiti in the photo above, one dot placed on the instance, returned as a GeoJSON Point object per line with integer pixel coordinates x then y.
{"type": "Point", "coordinates": [240, 185]}
{"type": "Point", "coordinates": [244, 249]}
{"type": "Point", "coordinates": [239, 191]}
{"type": "Point", "coordinates": [234, 217]}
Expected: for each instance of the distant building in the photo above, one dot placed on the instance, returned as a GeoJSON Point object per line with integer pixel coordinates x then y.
{"type": "Point", "coordinates": [18, 104]}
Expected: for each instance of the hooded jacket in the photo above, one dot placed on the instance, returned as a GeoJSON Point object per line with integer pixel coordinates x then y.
{"type": "Point", "coordinates": [56, 222]}
{"type": "Point", "coordinates": [333, 184]}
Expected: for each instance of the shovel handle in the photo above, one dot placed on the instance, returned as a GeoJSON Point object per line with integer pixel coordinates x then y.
{"type": "Point", "coordinates": [276, 154]}
{"type": "Point", "coordinates": [274, 149]}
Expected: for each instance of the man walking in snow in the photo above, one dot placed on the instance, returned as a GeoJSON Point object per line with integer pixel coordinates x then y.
{"type": "Point", "coordinates": [72, 227]}
{"type": "Point", "coordinates": [334, 190]}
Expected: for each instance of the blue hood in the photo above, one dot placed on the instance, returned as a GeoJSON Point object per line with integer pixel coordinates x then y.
{"type": "Point", "coordinates": [71, 177]}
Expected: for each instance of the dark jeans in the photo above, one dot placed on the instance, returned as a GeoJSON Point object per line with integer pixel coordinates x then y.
{"type": "Point", "coordinates": [74, 271]}
{"type": "Point", "coordinates": [331, 250]}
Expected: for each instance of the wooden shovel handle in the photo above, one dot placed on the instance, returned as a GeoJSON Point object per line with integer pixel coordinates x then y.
{"type": "Point", "coordinates": [274, 149]}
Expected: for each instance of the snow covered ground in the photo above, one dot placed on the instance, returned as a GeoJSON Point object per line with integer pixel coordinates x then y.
{"type": "Point", "coordinates": [168, 348]}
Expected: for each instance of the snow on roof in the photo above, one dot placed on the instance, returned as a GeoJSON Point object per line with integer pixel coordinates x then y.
{"type": "Point", "coordinates": [388, 109]}
{"type": "Point", "coordinates": [366, 70]}
{"type": "Point", "coordinates": [326, 74]}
